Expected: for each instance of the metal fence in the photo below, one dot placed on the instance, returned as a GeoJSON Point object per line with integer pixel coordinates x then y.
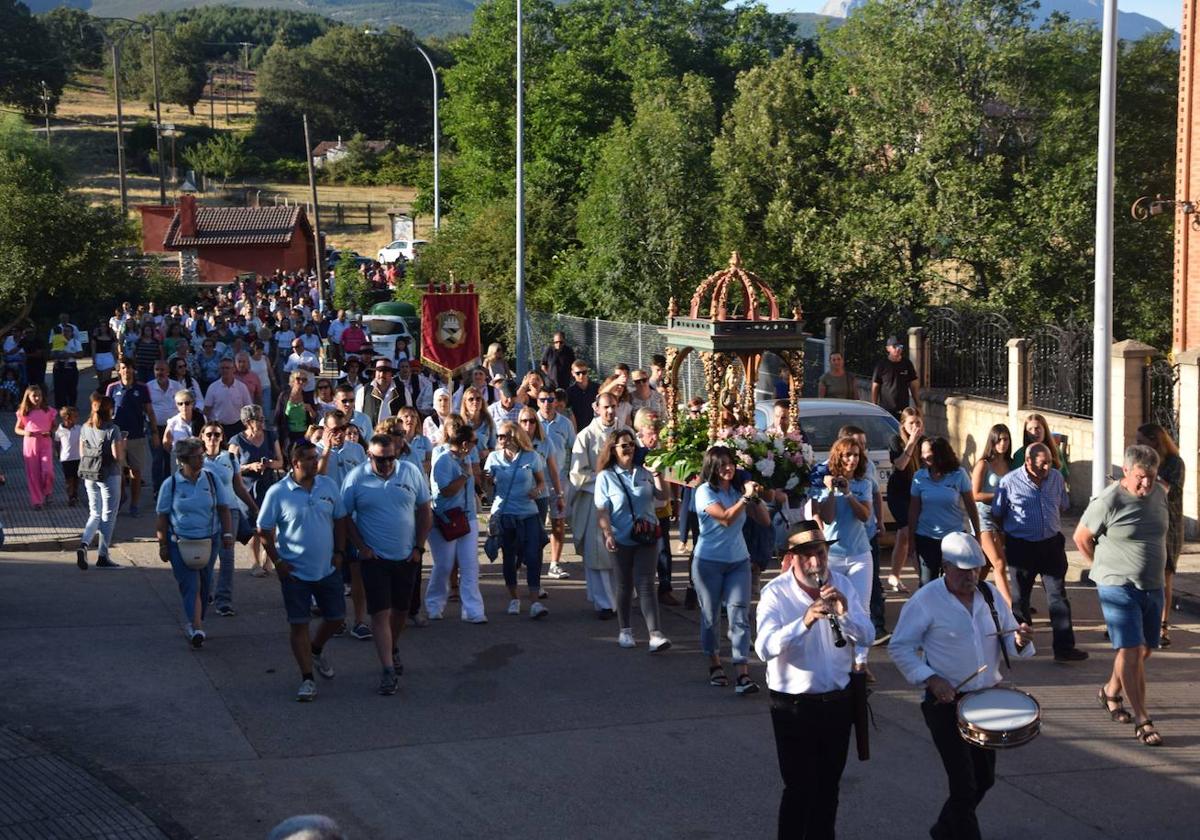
{"type": "Point", "coordinates": [1061, 362]}
{"type": "Point", "coordinates": [604, 344]}
{"type": "Point", "coordinates": [968, 351]}
{"type": "Point", "coordinates": [1163, 376]}
{"type": "Point", "coordinates": [866, 328]}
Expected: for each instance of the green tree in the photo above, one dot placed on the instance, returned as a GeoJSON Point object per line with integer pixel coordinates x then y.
{"type": "Point", "coordinates": [347, 82]}
{"type": "Point", "coordinates": [25, 63]}
{"type": "Point", "coordinates": [78, 41]}
{"type": "Point", "coordinates": [53, 242]}
{"type": "Point", "coordinates": [223, 157]}
{"type": "Point", "coordinates": [646, 222]}
{"type": "Point", "coordinates": [350, 288]}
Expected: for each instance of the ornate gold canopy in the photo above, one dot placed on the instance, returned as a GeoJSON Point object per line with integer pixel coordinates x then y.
{"type": "Point", "coordinates": [739, 326]}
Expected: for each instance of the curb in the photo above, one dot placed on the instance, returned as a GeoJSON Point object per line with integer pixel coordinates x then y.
{"type": "Point", "coordinates": [1187, 602]}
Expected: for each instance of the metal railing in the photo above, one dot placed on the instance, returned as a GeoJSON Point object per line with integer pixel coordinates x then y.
{"type": "Point", "coordinates": [1163, 384]}
{"type": "Point", "coordinates": [604, 344]}
{"type": "Point", "coordinates": [1061, 361]}
{"type": "Point", "coordinates": [968, 351]}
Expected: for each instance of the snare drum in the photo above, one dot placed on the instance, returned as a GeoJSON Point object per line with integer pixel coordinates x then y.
{"type": "Point", "coordinates": [998, 718]}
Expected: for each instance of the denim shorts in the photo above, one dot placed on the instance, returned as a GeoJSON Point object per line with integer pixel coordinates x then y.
{"type": "Point", "coordinates": [298, 596]}
{"type": "Point", "coordinates": [1133, 616]}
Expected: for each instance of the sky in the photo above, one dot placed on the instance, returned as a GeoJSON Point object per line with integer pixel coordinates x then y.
{"type": "Point", "coordinates": [1167, 11]}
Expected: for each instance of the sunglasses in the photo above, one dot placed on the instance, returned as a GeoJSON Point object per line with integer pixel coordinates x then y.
{"type": "Point", "coordinates": [638, 381]}
{"type": "Point", "coordinates": [529, 421]}
{"type": "Point", "coordinates": [503, 436]}
{"type": "Point", "coordinates": [624, 447]}
{"type": "Point", "coordinates": [579, 372]}
{"type": "Point", "coordinates": [212, 434]}
{"type": "Point", "coordinates": [185, 402]}
{"type": "Point", "coordinates": [545, 399]}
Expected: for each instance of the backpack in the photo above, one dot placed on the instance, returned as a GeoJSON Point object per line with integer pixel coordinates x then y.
{"type": "Point", "coordinates": [95, 458]}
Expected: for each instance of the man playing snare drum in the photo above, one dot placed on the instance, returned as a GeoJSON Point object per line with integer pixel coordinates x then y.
{"type": "Point", "coordinates": [959, 628]}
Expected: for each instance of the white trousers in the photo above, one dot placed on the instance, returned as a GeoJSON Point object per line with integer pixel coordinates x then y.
{"type": "Point", "coordinates": [464, 550]}
{"type": "Point", "coordinates": [857, 567]}
{"type": "Point", "coordinates": [600, 588]}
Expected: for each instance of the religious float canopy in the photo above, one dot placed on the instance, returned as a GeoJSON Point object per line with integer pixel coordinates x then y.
{"type": "Point", "coordinates": [733, 322]}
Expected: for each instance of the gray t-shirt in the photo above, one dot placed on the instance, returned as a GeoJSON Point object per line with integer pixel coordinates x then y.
{"type": "Point", "coordinates": [1131, 535]}
{"type": "Point", "coordinates": [91, 438]}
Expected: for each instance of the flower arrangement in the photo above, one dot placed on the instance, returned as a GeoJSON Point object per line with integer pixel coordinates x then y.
{"type": "Point", "coordinates": [778, 462]}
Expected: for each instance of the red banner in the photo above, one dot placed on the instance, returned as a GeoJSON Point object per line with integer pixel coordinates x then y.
{"type": "Point", "coordinates": [449, 331]}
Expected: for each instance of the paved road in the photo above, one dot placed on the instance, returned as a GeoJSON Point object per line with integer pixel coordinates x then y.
{"type": "Point", "coordinates": [517, 729]}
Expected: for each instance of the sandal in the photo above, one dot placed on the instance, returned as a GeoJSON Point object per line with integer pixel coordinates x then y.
{"type": "Point", "coordinates": [1119, 714]}
{"type": "Point", "coordinates": [717, 677]}
{"type": "Point", "coordinates": [745, 685]}
{"type": "Point", "coordinates": [897, 585]}
{"type": "Point", "coordinates": [1147, 734]}
{"type": "Point", "coordinates": [1164, 635]}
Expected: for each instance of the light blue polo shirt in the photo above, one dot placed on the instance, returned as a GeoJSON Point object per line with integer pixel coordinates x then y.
{"type": "Point", "coordinates": [419, 448]}
{"type": "Point", "coordinates": [385, 508]}
{"type": "Point", "coordinates": [849, 531]}
{"type": "Point", "coordinates": [941, 502]}
{"type": "Point", "coordinates": [720, 543]}
{"type": "Point", "coordinates": [191, 506]}
{"type": "Point", "coordinates": [447, 468]}
{"type": "Point", "coordinates": [342, 460]}
{"type": "Point", "coordinates": [303, 523]}
{"type": "Point", "coordinates": [614, 489]}
{"type": "Point", "coordinates": [513, 481]}
{"type": "Point", "coordinates": [560, 431]}
{"type": "Point", "coordinates": [546, 449]}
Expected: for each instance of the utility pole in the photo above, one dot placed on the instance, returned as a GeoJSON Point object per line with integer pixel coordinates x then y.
{"type": "Point", "coordinates": [46, 109]}
{"type": "Point", "coordinates": [226, 98]}
{"type": "Point", "coordinates": [162, 165]}
{"type": "Point", "coordinates": [212, 86]}
{"type": "Point", "coordinates": [116, 60]}
{"type": "Point", "coordinates": [437, 193]}
{"type": "Point", "coordinates": [522, 338]}
{"type": "Point", "coordinates": [1102, 326]}
{"type": "Point", "coordinates": [318, 251]}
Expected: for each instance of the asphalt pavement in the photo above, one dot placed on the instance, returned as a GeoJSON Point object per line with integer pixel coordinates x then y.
{"type": "Point", "coordinates": [516, 728]}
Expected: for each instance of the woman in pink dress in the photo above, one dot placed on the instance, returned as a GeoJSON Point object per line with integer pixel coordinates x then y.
{"type": "Point", "coordinates": [36, 422]}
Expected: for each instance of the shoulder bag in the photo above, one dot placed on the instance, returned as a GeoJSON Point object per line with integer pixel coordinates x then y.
{"type": "Point", "coordinates": [645, 532]}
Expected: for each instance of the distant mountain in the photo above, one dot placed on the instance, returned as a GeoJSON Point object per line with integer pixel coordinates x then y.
{"type": "Point", "coordinates": [1130, 25]}
{"type": "Point", "coordinates": [424, 17]}
{"type": "Point", "coordinates": [808, 24]}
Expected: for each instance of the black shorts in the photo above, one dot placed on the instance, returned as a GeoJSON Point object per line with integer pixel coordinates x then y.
{"type": "Point", "coordinates": [70, 469]}
{"type": "Point", "coordinates": [388, 583]}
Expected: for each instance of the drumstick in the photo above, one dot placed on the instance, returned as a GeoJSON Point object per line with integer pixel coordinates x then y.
{"type": "Point", "coordinates": [982, 668]}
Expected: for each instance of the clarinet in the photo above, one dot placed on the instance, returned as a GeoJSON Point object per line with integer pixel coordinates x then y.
{"type": "Point", "coordinates": [838, 639]}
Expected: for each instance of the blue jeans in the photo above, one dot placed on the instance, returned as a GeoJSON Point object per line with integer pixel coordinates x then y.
{"type": "Point", "coordinates": [224, 594]}
{"type": "Point", "coordinates": [521, 541]}
{"type": "Point", "coordinates": [191, 580]}
{"type": "Point", "coordinates": [103, 498]}
{"type": "Point", "coordinates": [729, 584]}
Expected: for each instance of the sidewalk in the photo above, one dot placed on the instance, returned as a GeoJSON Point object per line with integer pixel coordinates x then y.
{"type": "Point", "coordinates": [44, 795]}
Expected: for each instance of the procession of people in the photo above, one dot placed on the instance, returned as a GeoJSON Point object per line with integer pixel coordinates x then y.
{"type": "Point", "coordinates": [251, 419]}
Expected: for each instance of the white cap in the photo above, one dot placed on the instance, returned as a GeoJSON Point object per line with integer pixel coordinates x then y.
{"type": "Point", "coordinates": [962, 550]}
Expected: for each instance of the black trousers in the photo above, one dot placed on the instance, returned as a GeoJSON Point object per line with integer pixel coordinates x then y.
{"type": "Point", "coordinates": [970, 770]}
{"type": "Point", "coordinates": [877, 608]}
{"type": "Point", "coordinates": [1047, 558]}
{"type": "Point", "coordinates": [812, 738]}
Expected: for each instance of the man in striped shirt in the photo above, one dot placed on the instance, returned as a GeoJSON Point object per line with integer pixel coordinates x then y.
{"type": "Point", "coordinates": [1029, 504]}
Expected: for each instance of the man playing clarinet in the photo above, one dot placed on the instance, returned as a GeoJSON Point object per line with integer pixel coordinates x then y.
{"type": "Point", "coordinates": [950, 637]}
{"type": "Point", "coordinates": [807, 630]}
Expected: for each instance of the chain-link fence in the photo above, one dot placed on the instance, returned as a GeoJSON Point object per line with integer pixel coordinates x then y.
{"type": "Point", "coordinates": [604, 344]}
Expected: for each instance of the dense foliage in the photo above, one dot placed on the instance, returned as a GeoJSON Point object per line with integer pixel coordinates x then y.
{"type": "Point", "coordinates": [28, 59]}
{"type": "Point", "coordinates": [925, 152]}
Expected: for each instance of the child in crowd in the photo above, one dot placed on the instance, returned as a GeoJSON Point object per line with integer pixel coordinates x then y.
{"type": "Point", "coordinates": [67, 438]}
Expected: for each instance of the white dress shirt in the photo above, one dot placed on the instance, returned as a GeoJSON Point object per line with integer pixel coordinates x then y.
{"type": "Point", "coordinates": [163, 399]}
{"type": "Point", "coordinates": [955, 642]}
{"type": "Point", "coordinates": [804, 660]}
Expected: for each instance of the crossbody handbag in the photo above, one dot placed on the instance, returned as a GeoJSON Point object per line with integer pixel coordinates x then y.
{"type": "Point", "coordinates": [452, 523]}
{"type": "Point", "coordinates": [645, 532]}
{"type": "Point", "coordinates": [491, 546]}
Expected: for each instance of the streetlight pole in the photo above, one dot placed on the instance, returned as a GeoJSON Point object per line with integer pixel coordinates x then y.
{"type": "Point", "coordinates": [522, 339]}
{"type": "Point", "coordinates": [318, 251]}
{"type": "Point", "coordinates": [437, 193]}
{"type": "Point", "coordinates": [162, 174]}
{"type": "Point", "coordinates": [1102, 347]}
{"type": "Point", "coordinates": [116, 60]}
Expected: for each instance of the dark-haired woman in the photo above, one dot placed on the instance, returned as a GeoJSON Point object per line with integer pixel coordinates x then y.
{"type": "Point", "coordinates": [992, 465]}
{"type": "Point", "coordinates": [721, 562]}
{"type": "Point", "coordinates": [1037, 430]}
{"type": "Point", "coordinates": [1170, 475]}
{"type": "Point", "coordinates": [905, 453]}
{"type": "Point", "coordinates": [941, 497]}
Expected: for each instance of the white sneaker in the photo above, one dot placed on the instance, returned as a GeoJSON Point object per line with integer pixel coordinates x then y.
{"type": "Point", "coordinates": [514, 606]}
{"type": "Point", "coordinates": [307, 692]}
{"type": "Point", "coordinates": [435, 616]}
{"type": "Point", "coordinates": [323, 665]}
{"type": "Point", "coordinates": [482, 619]}
{"type": "Point", "coordinates": [537, 610]}
{"type": "Point", "coordinates": [658, 642]}
{"type": "Point", "coordinates": [557, 572]}
{"type": "Point", "coordinates": [625, 639]}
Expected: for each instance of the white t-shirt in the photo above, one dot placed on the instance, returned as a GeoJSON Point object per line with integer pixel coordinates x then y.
{"type": "Point", "coordinates": [68, 442]}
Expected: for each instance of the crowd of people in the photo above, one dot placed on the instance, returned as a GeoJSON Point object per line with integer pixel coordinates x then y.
{"type": "Point", "coordinates": [253, 418]}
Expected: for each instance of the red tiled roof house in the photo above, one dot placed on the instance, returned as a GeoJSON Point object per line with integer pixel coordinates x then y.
{"type": "Point", "coordinates": [216, 244]}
